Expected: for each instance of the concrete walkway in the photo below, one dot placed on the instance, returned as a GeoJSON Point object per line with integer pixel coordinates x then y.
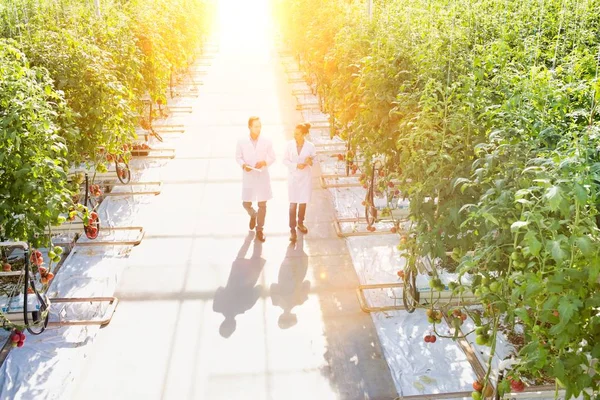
{"type": "Point", "coordinates": [206, 312]}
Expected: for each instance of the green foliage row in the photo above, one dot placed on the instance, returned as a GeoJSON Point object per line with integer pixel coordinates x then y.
{"type": "Point", "coordinates": [72, 83]}
{"type": "Point", "coordinates": [488, 112]}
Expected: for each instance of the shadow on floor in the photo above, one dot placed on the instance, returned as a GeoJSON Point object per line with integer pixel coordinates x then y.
{"type": "Point", "coordinates": [291, 289]}
{"type": "Point", "coordinates": [241, 292]}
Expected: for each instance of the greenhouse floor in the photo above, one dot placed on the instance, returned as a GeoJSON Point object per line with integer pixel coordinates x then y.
{"type": "Point", "coordinates": [207, 312]}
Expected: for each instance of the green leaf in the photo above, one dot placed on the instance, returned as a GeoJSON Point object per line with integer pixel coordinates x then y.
{"type": "Point", "coordinates": [567, 306]}
{"type": "Point", "coordinates": [504, 387]}
{"type": "Point", "coordinates": [585, 245]}
{"type": "Point", "coordinates": [520, 194]}
{"type": "Point", "coordinates": [524, 201]}
{"type": "Point", "coordinates": [533, 289]}
{"type": "Point", "coordinates": [476, 319]}
{"type": "Point", "coordinates": [554, 197]}
{"type": "Point", "coordinates": [557, 330]}
{"type": "Point", "coordinates": [533, 243]}
{"type": "Point", "coordinates": [593, 272]}
{"type": "Point", "coordinates": [551, 303]}
{"type": "Point", "coordinates": [460, 181]}
{"type": "Point", "coordinates": [580, 193]}
{"type": "Point", "coordinates": [546, 182]}
{"type": "Point", "coordinates": [559, 370]}
{"type": "Point", "coordinates": [491, 218]}
{"type": "Point", "coordinates": [523, 315]}
{"type": "Point", "coordinates": [466, 207]}
{"type": "Point", "coordinates": [518, 225]}
{"type": "Point", "coordinates": [596, 350]}
{"type": "Point", "coordinates": [557, 251]}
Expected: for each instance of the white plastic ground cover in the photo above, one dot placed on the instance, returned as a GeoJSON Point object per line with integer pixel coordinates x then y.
{"type": "Point", "coordinates": [47, 365]}
{"type": "Point", "coordinates": [293, 75]}
{"type": "Point", "coordinates": [141, 171]}
{"type": "Point", "coordinates": [320, 137]}
{"type": "Point", "coordinates": [342, 180]}
{"type": "Point", "coordinates": [186, 88]}
{"type": "Point", "coordinates": [331, 165]}
{"type": "Point", "coordinates": [90, 272]}
{"type": "Point", "coordinates": [300, 86]}
{"type": "Point", "coordinates": [377, 260]}
{"type": "Point", "coordinates": [348, 202]}
{"type": "Point", "coordinates": [314, 115]}
{"type": "Point", "coordinates": [173, 110]}
{"type": "Point", "coordinates": [172, 119]}
{"type": "Point", "coordinates": [306, 98]}
{"type": "Point", "coordinates": [417, 367]}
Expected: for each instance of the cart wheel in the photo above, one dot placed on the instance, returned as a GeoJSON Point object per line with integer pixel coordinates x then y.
{"type": "Point", "coordinates": [123, 171]}
{"type": "Point", "coordinates": [39, 322]}
{"type": "Point", "coordinates": [39, 318]}
{"type": "Point", "coordinates": [410, 294]}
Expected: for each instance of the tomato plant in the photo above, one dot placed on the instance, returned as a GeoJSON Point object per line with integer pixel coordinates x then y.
{"type": "Point", "coordinates": [103, 64]}
{"type": "Point", "coordinates": [488, 113]}
{"type": "Point", "coordinates": [33, 164]}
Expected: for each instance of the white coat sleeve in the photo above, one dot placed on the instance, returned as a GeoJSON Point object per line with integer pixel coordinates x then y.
{"type": "Point", "coordinates": [287, 159]}
{"type": "Point", "coordinates": [239, 154]}
{"type": "Point", "coordinates": [270, 155]}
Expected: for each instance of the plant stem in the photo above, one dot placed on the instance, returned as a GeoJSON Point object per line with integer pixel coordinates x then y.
{"type": "Point", "coordinates": [492, 351]}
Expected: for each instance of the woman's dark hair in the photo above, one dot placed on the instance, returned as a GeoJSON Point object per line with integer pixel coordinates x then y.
{"type": "Point", "coordinates": [303, 127]}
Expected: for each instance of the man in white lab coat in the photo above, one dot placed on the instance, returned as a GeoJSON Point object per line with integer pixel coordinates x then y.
{"type": "Point", "coordinates": [255, 154]}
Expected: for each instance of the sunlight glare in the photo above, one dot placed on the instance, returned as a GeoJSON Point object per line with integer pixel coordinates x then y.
{"type": "Point", "coordinates": [245, 24]}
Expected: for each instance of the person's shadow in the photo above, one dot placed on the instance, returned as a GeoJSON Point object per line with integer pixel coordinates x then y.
{"type": "Point", "coordinates": [291, 290]}
{"type": "Point", "coordinates": [241, 292]}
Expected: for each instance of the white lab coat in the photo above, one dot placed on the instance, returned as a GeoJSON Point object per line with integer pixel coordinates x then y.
{"type": "Point", "coordinates": [299, 180]}
{"type": "Point", "coordinates": [256, 186]}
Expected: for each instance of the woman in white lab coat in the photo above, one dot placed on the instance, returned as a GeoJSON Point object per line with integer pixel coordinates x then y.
{"type": "Point", "coordinates": [300, 155]}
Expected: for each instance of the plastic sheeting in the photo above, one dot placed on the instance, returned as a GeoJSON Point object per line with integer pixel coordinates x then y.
{"type": "Point", "coordinates": [48, 364]}
{"type": "Point", "coordinates": [417, 367]}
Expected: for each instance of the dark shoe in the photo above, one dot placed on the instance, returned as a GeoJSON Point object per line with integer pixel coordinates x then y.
{"type": "Point", "coordinates": [260, 236]}
{"type": "Point", "coordinates": [293, 236]}
{"type": "Point", "coordinates": [252, 222]}
{"type": "Point", "coordinates": [303, 229]}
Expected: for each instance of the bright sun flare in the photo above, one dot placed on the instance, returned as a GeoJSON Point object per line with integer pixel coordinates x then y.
{"type": "Point", "coordinates": [244, 23]}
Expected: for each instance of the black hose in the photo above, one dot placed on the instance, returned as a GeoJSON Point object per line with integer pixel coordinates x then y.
{"type": "Point", "coordinates": [409, 288]}
{"type": "Point", "coordinates": [43, 305]}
